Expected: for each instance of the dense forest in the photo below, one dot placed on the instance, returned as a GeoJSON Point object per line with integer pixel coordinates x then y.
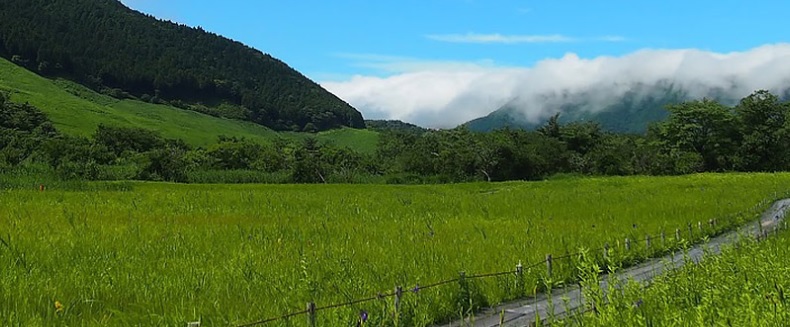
{"type": "Point", "coordinates": [124, 53]}
{"type": "Point", "coordinates": [393, 125]}
{"type": "Point", "coordinates": [697, 136]}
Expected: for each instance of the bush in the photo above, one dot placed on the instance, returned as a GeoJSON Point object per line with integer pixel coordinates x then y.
{"type": "Point", "coordinates": [166, 164]}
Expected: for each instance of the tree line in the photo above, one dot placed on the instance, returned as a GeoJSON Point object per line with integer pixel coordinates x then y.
{"type": "Point", "coordinates": [698, 136]}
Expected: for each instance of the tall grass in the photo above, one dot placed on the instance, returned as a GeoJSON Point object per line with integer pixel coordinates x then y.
{"type": "Point", "coordinates": [745, 286]}
{"type": "Point", "coordinates": [164, 254]}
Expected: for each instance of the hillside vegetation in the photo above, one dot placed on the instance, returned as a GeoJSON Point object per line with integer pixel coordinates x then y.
{"type": "Point", "coordinates": [126, 54]}
{"type": "Point", "coordinates": [697, 136]}
{"type": "Point", "coordinates": [77, 110]}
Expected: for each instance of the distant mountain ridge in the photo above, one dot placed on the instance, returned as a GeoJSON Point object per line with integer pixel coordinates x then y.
{"type": "Point", "coordinates": [124, 53]}
{"type": "Point", "coordinates": [632, 112]}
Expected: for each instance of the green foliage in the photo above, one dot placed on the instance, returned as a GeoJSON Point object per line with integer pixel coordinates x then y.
{"type": "Point", "coordinates": [121, 139]}
{"type": "Point", "coordinates": [706, 128]}
{"type": "Point", "coordinates": [698, 136]}
{"type": "Point", "coordinates": [394, 125]}
{"type": "Point", "coordinates": [23, 129]}
{"type": "Point", "coordinates": [309, 164]}
{"type": "Point", "coordinates": [124, 53]}
{"type": "Point", "coordinates": [765, 126]}
{"type": "Point", "coordinates": [166, 164]}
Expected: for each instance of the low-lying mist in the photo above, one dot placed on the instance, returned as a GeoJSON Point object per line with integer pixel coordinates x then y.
{"type": "Point", "coordinates": [446, 96]}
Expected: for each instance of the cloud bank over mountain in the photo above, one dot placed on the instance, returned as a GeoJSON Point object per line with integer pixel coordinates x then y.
{"type": "Point", "coordinates": [445, 94]}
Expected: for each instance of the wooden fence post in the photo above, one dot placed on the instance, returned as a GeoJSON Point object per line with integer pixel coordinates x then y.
{"type": "Point", "coordinates": [627, 244]}
{"type": "Point", "coordinates": [519, 271]}
{"type": "Point", "coordinates": [462, 280]}
{"type": "Point", "coordinates": [677, 234]}
{"type": "Point", "coordinates": [398, 295]}
{"type": "Point", "coordinates": [548, 265]}
{"type": "Point", "coordinates": [311, 314]}
{"type": "Point", "coordinates": [760, 225]}
{"type": "Point", "coordinates": [520, 287]}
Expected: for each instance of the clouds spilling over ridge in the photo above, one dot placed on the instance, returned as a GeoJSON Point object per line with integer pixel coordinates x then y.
{"type": "Point", "coordinates": [445, 95]}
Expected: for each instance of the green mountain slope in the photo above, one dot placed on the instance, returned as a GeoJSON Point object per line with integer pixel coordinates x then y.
{"type": "Point", "coordinates": [77, 110]}
{"type": "Point", "coordinates": [124, 53]}
{"type": "Point", "coordinates": [631, 113]}
{"type": "Point", "coordinates": [501, 118]}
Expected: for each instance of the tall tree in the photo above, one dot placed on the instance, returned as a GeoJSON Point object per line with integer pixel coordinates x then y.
{"type": "Point", "coordinates": [705, 128]}
{"type": "Point", "coordinates": [766, 142]}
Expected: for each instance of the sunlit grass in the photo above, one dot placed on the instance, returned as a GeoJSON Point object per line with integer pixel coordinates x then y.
{"type": "Point", "coordinates": [165, 254]}
{"type": "Point", "coordinates": [745, 286]}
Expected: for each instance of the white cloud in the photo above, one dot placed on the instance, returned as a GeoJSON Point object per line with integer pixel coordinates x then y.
{"type": "Point", "coordinates": [445, 94]}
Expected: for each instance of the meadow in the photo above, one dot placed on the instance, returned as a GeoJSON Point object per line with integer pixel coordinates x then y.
{"type": "Point", "coordinates": [77, 110]}
{"type": "Point", "coordinates": [166, 254]}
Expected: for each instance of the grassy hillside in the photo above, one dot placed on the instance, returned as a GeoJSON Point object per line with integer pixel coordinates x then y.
{"type": "Point", "coordinates": [362, 140]}
{"type": "Point", "coordinates": [78, 110]}
{"type": "Point", "coordinates": [164, 254]}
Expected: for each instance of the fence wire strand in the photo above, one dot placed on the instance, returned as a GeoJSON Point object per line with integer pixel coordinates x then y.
{"type": "Point", "coordinates": [496, 274]}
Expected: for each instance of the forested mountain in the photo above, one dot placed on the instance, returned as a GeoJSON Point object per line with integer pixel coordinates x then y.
{"type": "Point", "coordinates": [124, 53]}
{"type": "Point", "coordinates": [632, 112]}
{"type": "Point", "coordinates": [627, 115]}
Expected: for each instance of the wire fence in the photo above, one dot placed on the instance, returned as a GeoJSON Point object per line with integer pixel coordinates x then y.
{"type": "Point", "coordinates": [627, 253]}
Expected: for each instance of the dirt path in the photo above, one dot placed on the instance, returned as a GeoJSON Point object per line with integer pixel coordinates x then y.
{"type": "Point", "coordinates": [569, 300]}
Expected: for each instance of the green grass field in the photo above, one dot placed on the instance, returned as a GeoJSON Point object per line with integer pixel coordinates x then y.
{"type": "Point", "coordinates": [165, 254]}
{"type": "Point", "coordinates": [745, 286]}
{"type": "Point", "coordinates": [78, 110]}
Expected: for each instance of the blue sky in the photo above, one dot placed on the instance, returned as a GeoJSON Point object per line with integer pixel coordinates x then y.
{"type": "Point", "coordinates": [336, 41]}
